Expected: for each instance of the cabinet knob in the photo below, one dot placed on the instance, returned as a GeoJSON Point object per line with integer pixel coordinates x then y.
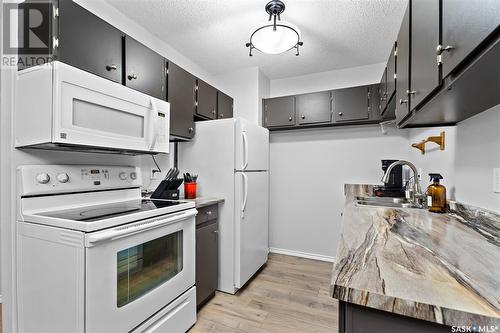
{"type": "Point", "coordinates": [303, 117]}
{"type": "Point", "coordinates": [403, 101]}
{"type": "Point", "coordinates": [209, 213]}
{"type": "Point", "coordinates": [221, 116]}
{"type": "Point", "coordinates": [411, 92]}
{"type": "Point", "coordinates": [213, 111]}
{"type": "Point", "coordinates": [440, 49]}
{"type": "Point", "coordinates": [132, 76]}
{"type": "Point", "coordinates": [341, 114]}
{"type": "Point", "coordinates": [216, 231]}
{"type": "Point", "coordinates": [111, 67]}
{"type": "Point", "coordinates": [290, 118]}
{"type": "Point", "coordinates": [190, 130]}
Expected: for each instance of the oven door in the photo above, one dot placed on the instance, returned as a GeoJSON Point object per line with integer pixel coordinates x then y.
{"type": "Point", "coordinates": [96, 112]}
{"type": "Point", "coordinates": [133, 271]}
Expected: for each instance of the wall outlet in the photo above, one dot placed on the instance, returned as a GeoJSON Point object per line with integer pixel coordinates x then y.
{"type": "Point", "coordinates": [496, 180]}
{"type": "Point", "coordinates": [153, 174]}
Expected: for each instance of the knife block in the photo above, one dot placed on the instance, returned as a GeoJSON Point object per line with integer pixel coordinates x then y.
{"type": "Point", "coordinates": [162, 192]}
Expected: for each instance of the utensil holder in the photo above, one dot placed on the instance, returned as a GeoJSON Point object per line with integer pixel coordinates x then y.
{"type": "Point", "coordinates": [190, 190]}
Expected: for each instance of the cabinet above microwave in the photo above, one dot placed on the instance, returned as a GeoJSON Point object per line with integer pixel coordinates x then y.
{"type": "Point", "coordinates": [62, 107]}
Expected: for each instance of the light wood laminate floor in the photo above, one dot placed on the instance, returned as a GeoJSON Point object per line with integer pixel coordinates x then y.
{"type": "Point", "coordinates": [289, 294]}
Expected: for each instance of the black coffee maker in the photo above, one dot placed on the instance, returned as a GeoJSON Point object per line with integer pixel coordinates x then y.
{"type": "Point", "coordinates": [394, 187]}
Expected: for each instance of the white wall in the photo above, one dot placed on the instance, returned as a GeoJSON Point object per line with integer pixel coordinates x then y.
{"type": "Point", "coordinates": [264, 92]}
{"type": "Point", "coordinates": [307, 175]}
{"type": "Point", "coordinates": [341, 78]}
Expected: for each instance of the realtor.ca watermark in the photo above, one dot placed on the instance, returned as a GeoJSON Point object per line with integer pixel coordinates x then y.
{"type": "Point", "coordinates": [27, 33]}
{"type": "Point", "coordinates": [475, 328]}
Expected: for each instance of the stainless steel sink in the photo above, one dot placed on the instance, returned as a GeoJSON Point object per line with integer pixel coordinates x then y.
{"type": "Point", "coordinates": [385, 202]}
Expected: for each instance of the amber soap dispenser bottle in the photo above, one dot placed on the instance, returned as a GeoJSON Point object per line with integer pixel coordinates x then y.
{"type": "Point", "coordinates": [436, 194]}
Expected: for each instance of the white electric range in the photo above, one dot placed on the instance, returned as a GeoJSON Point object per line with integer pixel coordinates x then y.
{"type": "Point", "coordinates": [93, 256]}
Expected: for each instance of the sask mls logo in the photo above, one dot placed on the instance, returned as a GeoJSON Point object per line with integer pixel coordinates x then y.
{"type": "Point", "coordinates": [27, 33]}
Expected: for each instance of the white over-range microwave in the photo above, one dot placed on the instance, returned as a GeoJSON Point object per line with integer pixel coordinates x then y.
{"type": "Point", "coordinates": [62, 107]}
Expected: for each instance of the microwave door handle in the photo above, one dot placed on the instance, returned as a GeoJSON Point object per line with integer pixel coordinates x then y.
{"type": "Point", "coordinates": [120, 232]}
{"type": "Point", "coordinates": [245, 195]}
{"type": "Point", "coordinates": [154, 123]}
{"type": "Point", "coordinates": [245, 149]}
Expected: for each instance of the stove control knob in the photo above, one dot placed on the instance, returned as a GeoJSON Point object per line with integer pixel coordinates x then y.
{"type": "Point", "coordinates": [43, 178]}
{"type": "Point", "coordinates": [122, 175]}
{"type": "Point", "coordinates": [133, 176]}
{"type": "Point", "coordinates": [63, 177]}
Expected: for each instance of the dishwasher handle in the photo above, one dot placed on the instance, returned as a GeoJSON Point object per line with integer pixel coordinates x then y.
{"type": "Point", "coordinates": [134, 228]}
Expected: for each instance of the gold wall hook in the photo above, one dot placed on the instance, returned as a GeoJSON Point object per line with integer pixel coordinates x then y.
{"type": "Point", "coordinates": [440, 140]}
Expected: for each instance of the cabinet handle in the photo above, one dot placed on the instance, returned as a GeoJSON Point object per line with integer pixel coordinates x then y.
{"type": "Point", "coordinates": [190, 130]}
{"type": "Point", "coordinates": [213, 111]}
{"type": "Point", "coordinates": [132, 76]}
{"type": "Point", "coordinates": [209, 213]}
{"type": "Point", "coordinates": [290, 118]}
{"type": "Point", "coordinates": [303, 117]}
{"type": "Point", "coordinates": [411, 92]}
{"type": "Point", "coordinates": [341, 114]}
{"type": "Point", "coordinates": [111, 67]}
{"type": "Point", "coordinates": [215, 231]}
{"type": "Point", "coordinates": [403, 101]}
{"type": "Point", "coordinates": [221, 116]}
{"type": "Point", "coordinates": [440, 49]}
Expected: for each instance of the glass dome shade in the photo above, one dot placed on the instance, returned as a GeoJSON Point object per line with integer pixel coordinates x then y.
{"type": "Point", "coordinates": [267, 40]}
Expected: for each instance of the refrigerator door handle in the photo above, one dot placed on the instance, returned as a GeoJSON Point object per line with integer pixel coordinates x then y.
{"type": "Point", "coordinates": [245, 148]}
{"type": "Point", "coordinates": [245, 195]}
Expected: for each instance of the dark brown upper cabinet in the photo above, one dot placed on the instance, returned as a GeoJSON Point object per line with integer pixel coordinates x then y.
{"type": "Point", "coordinates": [314, 108]}
{"type": "Point", "coordinates": [390, 88]}
{"type": "Point", "coordinates": [351, 104]}
{"type": "Point", "coordinates": [145, 70]}
{"type": "Point", "coordinates": [403, 67]}
{"type": "Point", "coordinates": [382, 92]}
{"type": "Point", "coordinates": [181, 96]}
{"type": "Point", "coordinates": [224, 106]}
{"type": "Point", "coordinates": [206, 100]}
{"type": "Point", "coordinates": [466, 24]}
{"type": "Point", "coordinates": [424, 69]}
{"type": "Point", "coordinates": [279, 111]}
{"type": "Point", "coordinates": [88, 42]}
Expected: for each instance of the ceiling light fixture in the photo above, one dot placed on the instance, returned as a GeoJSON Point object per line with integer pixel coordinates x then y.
{"type": "Point", "coordinates": [275, 36]}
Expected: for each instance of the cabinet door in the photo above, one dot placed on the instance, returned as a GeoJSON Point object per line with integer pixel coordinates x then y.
{"type": "Point", "coordinates": [382, 92]}
{"type": "Point", "coordinates": [466, 24]}
{"type": "Point", "coordinates": [374, 101]}
{"type": "Point", "coordinates": [145, 69]}
{"type": "Point", "coordinates": [403, 68]}
{"type": "Point", "coordinates": [424, 70]}
{"type": "Point", "coordinates": [390, 88]}
{"type": "Point", "coordinates": [206, 100]}
{"type": "Point", "coordinates": [89, 43]}
{"type": "Point", "coordinates": [224, 106]}
{"type": "Point", "coordinates": [351, 104]}
{"type": "Point", "coordinates": [279, 111]}
{"type": "Point", "coordinates": [181, 96]}
{"type": "Point", "coordinates": [314, 108]}
{"type": "Point", "coordinates": [207, 261]}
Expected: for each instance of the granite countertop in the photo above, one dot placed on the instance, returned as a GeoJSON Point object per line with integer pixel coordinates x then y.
{"type": "Point", "coordinates": [443, 268]}
{"type": "Point", "coordinates": [205, 201]}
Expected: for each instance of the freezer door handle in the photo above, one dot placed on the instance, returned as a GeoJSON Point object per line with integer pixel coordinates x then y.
{"type": "Point", "coordinates": [245, 195]}
{"type": "Point", "coordinates": [245, 149]}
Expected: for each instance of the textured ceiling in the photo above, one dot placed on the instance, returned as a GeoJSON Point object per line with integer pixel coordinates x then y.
{"type": "Point", "coordinates": [212, 33]}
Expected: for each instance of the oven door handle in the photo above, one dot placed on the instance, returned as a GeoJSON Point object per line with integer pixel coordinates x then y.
{"type": "Point", "coordinates": [134, 228]}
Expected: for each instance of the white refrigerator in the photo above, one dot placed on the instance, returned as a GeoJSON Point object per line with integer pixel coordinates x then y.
{"type": "Point", "coordinates": [231, 157]}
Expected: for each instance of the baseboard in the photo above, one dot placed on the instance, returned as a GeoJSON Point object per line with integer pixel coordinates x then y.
{"type": "Point", "coordinates": [302, 254]}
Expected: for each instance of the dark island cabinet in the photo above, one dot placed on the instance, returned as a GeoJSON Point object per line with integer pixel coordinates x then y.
{"type": "Point", "coordinates": [224, 106]}
{"type": "Point", "coordinates": [466, 24]}
{"type": "Point", "coordinates": [181, 96]}
{"type": "Point", "coordinates": [279, 111]}
{"type": "Point", "coordinates": [206, 100]}
{"type": "Point", "coordinates": [314, 108]}
{"type": "Point", "coordinates": [351, 104]}
{"type": "Point", "coordinates": [145, 70]}
{"type": "Point", "coordinates": [88, 42]}
{"type": "Point", "coordinates": [403, 67]}
{"type": "Point", "coordinates": [424, 69]}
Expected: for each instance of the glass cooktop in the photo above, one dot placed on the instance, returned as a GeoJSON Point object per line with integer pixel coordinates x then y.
{"type": "Point", "coordinates": [105, 211]}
